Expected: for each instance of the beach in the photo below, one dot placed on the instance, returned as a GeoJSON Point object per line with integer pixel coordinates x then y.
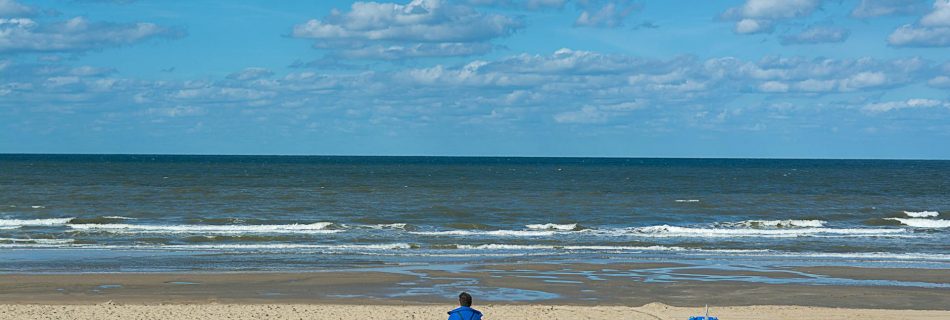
{"type": "Point", "coordinates": [336, 311]}
{"type": "Point", "coordinates": [554, 291]}
{"type": "Point", "coordinates": [229, 237]}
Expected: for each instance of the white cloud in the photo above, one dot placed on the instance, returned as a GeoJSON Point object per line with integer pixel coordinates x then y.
{"type": "Point", "coordinates": [11, 8]}
{"type": "Point", "coordinates": [604, 14]}
{"type": "Point", "coordinates": [817, 34]}
{"type": "Point", "coordinates": [932, 30]}
{"type": "Point", "coordinates": [521, 4]}
{"type": "Point", "coordinates": [881, 107]}
{"type": "Point", "coordinates": [76, 34]}
{"type": "Point", "coordinates": [939, 82]}
{"type": "Point", "coordinates": [939, 17]}
{"type": "Point", "coordinates": [877, 8]}
{"type": "Point", "coordinates": [773, 86]}
{"type": "Point", "coordinates": [758, 16]}
{"type": "Point", "coordinates": [417, 29]}
{"type": "Point", "coordinates": [179, 111]}
{"type": "Point", "coordinates": [750, 26]}
{"type": "Point", "coordinates": [587, 114]}
{"type": "Point", "coordinates": [253, 73]}
{"type": "Point", "coordinates": [915, 36]}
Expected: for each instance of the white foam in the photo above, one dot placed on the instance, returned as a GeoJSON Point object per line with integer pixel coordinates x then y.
{"type": "Point", "coordinates": [38, 241]}
{"type": "Point", "coordinates": [401, 226]}
{"type": "Point", "coordinates": [870, 255]}
{"type": "Point", "coordinates": [688, 232]}
{"type": "Point", "coordinates": [16, 223]}
{"type": "Point", "coordinates": [211, 247]}
{"type": "Point", "coordinates": [922, 223]}
{"type": "Point", "coordinates": [504, 247]}
{"type": "Point", "coordinates": [118, 218]}
{"type": "Point", "coordinates": [319, 227]}
{"type": "Point", "coordinates": [38, 207]}
{"type": "Point", "coordinates": [497, 233]}
{"type": "Point", "coordinates": [780, 223]}
{"type": "Point", "coordinates": [687, 200]}
{"type": "Point", "coordinates": [921, 214]}
{"type": "Point", "coordinates": [552, 226]}
{"type": "Point", "coordinates": [278, 246]}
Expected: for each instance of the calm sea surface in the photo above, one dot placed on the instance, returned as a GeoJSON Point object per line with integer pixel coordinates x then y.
{"type": "Point", "coordinates": [89, 213]}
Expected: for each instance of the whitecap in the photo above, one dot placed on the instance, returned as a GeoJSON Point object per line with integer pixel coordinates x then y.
{"type": "Point", "coordinates": [15, 223]}
{"type": "Point", "coordinates": [921, 214]}
{"type": "Point", "coordinates": [687, 200]}
{"type": "Point", "coordinates": [38, 241]}
{"type": "Point", "coordinates": [922, 223]}
{"type": "Point", "coordinates": [661, 231]}
{"type": "Point", "coordinates": [552, 226]}
{"type": "Point", "coordinates": [778, 223]}
{"type": "Point", "coordinates": [313, 228]}
{"type": "Point", "coordinates": [498, 233]}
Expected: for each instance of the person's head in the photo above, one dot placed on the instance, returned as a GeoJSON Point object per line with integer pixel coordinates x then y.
{"type": "Point", "coordinates": [465, 299]}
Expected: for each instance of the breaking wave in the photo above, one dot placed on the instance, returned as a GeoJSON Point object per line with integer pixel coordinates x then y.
{"type": "Point", "coordinates": [313, 228]}
{"type": "Point", "coordinates": [687, 232]}
{"type": "Point", "coordinates": [922, 223]}
{"type": "Point", "coordinates": [552, 226]}
{"type": "Point", "coordinates": [921, 214]}
{"type": "Point", "coordinates": [777, 224]}
{"type": "Point", "coordinates": [16, 223]}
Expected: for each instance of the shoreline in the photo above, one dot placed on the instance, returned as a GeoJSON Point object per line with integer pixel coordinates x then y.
{"type": "Point", "coordinates": [582, 285]}
{"type": "Point", "coordinates": [652, 311]}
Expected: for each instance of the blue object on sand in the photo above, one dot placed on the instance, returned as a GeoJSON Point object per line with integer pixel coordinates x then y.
{"type": "Point", "coordinates": [704, 317]}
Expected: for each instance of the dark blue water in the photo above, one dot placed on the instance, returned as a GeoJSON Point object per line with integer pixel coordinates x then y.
{"type": "Point", "coordinates": [144, 213]}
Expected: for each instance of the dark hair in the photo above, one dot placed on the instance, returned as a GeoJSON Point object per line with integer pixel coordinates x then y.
{"type": "Point", "coordinates": [465, 299]}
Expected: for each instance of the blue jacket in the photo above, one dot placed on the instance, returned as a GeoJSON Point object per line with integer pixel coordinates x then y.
{"type": "Point", "coordinates": [465, 313]}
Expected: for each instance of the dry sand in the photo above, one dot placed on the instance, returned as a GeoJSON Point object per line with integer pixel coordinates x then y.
{"type": "Point", "coordinates": [389, 312]}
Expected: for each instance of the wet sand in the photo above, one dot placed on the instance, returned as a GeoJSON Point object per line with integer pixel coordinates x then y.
{"type": "Point", "coordinates": [627, 285]}
{"type": "Point", "coordinates": [552, 312]}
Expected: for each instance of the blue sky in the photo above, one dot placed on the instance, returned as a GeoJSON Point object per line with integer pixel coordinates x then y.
{"type": "Point", "coordinates": [677, 78]}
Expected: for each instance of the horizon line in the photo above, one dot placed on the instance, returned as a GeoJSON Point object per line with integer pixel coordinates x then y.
{"type": "Point", "coordinates": [462, 156]}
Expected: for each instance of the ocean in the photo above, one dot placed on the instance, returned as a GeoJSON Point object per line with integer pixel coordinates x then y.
{"type": "Point", "coordinates": [161, 213]}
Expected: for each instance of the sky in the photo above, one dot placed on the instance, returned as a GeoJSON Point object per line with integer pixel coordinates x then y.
{"type": "Point", "coordinates": [590, 78]}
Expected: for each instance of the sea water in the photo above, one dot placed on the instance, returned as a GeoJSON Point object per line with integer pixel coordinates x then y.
{"type": "Point", "coordinates": [117, 213]}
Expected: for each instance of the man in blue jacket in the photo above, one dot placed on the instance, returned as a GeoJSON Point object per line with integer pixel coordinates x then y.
{"type": "Point", "coordinates": [465, 311]}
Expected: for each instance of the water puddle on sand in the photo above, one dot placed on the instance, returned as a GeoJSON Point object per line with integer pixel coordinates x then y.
{"type": "Point", "coordinates": [182, 283]}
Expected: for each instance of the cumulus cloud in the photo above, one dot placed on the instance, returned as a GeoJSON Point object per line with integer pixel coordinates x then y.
{"type": "Point", "coordinates": [570, 87]}
{"type": "Point", "coordinates": [932, 30]}
{"type": "Point", "coordinates": [877, 8]}
{"type": "Point", "coordinates": [11, 8]}
{"type": "Point", "coordinates": [817, 34]}
{"type": "Point", "coordinates": [252, 73]}
{"type": "Point", "coordinates": [597, 113]}
{"type": "Point", "coordinates": [881, 107]}
{"type": "Point", "coordinates": [521, 4]}
{"type": "Point", "coordinates": [77, 34]}
{"type": "Point", "coordinates": [760, 16]}
{"type": "Point", "coordinates": [604, 14]}
{"type": "Point", "coordinates": [421, 28]}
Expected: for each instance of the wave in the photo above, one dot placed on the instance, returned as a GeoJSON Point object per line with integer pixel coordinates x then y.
{"type": "Point", "coordinates": [203, 247]}
{"type": "Point", "coordinates": [16, 223]}
{"type": "Point", "coordinates": [502, 233]}
{"type": "Point", "coordinates": [688, 232]}
{"type": "Point", "coordinates": [99, 220]}
{"type": "Point", "coordinates": [922, 223]}
{"type": "Point", "coordinates": [777, 224]}
{"type": "Point", "coordinates": [314, 228]}
{"type": "Point", "coordinates": [381, 226]}
{"type": "Point", "coordinates": [921, 214]}
{"type": "Point", "coordinates": [687, 200]}
{"type": "Point", "coordinates": [552, 226]}
{"type": "Point", "coordinates": [37, 241]}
